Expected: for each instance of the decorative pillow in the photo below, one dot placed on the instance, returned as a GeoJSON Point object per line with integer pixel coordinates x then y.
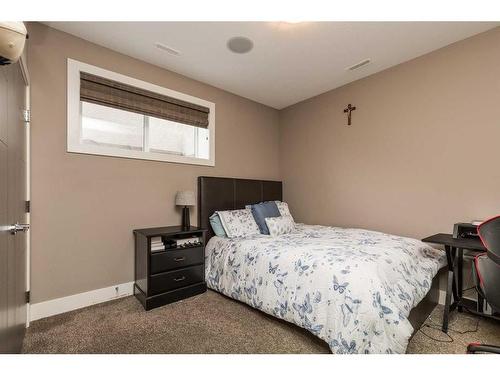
{"type": "Point", "coordinates": [216, 225]}
{"type": "Point", "coordinates": [262, 210]}
{"type": "Point", "coordinates": [280, 225]}
{"type": "Point", "coordinates": [238, 223]}
{"type": "Point", "coordinates": [283, 209]}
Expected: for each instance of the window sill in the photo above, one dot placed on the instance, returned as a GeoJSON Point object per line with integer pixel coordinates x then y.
{"type": "Point", "coordinates": [131, 154]}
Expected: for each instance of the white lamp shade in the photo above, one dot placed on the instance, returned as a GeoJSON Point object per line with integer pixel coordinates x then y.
{"type": "Point", "coordinates": [185, 198]}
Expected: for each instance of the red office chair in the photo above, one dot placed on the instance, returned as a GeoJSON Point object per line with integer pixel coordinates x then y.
{"type": "Point", "coordinates": [486, 271]}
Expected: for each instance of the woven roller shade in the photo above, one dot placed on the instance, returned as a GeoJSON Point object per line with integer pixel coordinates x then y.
{"type": "Point", "coordinates": [98, 90]}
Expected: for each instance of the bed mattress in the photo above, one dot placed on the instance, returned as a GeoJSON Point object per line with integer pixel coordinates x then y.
{"type": "Point", "coordinates": [352, 288]}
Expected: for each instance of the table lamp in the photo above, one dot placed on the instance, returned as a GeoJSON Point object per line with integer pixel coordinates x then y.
{"type": "Point", "coordinates": [185, 199]}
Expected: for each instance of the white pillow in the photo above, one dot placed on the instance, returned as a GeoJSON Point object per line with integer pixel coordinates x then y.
{"type": "Point", "coordinates": [280, 225]}
{"type": "Point", "coordinates": [283, 209]}
{"type": "Point", "coordinates": [238, 223]}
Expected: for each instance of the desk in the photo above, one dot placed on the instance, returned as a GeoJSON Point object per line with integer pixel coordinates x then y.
{"type": "Point", "coordinates": [454, 248]}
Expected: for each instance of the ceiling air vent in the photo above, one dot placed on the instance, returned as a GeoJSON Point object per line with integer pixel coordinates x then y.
{"type": "Point", "coordinates": [167, 49]}
{"type": "Point", "coordinates": [359, 65]}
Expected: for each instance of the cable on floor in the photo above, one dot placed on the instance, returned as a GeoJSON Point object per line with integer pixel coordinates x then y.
{"type": "Point", "coordinates": [436, 326]}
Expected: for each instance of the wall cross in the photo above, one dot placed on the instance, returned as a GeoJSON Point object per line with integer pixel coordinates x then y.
{"type": "Point", "coordinates": [348, 110]}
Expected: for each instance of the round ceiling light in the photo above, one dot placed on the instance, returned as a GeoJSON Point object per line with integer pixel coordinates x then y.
{"type": "Point", "coordinates": [240, 44]}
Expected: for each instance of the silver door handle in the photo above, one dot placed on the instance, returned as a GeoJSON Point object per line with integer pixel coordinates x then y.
{"type": "Point", "coordinates": [14, 228]}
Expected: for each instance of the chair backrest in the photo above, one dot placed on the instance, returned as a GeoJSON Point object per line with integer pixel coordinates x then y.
{"type": "Point", "coordinates": [489, 232]}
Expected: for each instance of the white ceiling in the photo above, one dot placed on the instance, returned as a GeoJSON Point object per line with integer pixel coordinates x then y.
{"type": "Point", "coordinates": [290, 62]}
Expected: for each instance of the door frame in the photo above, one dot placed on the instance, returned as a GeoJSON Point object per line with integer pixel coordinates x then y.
{"type": "Point", "coordinates": [23, 64]}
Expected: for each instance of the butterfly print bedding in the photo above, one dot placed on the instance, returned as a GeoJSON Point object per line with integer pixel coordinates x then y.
{"type": "Point", "coordinates": [352, 288]}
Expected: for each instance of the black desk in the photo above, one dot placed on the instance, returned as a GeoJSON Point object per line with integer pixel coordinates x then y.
{"type": "Point", "coordinates": [454, 248]}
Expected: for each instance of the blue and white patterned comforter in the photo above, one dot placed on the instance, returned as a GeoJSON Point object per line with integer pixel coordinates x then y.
{"type": "Point", "coordinates": [352, 288]}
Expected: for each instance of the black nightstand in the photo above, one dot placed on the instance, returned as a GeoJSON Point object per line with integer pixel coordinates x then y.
{"type": "Point", "coordinates": [169, 275]}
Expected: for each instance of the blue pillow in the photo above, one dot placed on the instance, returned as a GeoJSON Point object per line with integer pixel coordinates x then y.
{"type": "Point", "coordinates": [262, 210]}
{"type": "Point", "coordinates": [217, 225]}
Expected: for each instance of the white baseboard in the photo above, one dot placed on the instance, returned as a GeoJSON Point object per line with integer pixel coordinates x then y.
{"type": "Point", "coordinates": [77, 301]}
{"type": "Point", "coordinates": [442, 297]}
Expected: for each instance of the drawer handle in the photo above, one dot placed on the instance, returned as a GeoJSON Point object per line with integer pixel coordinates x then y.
{"type": "Point", "coordinates": [179, 259]}
{"type": "Point", "coordinates": [180, 278]}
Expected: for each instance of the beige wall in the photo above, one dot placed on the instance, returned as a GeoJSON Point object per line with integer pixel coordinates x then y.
{"type": "Point", "coordinates": [84, 206]}
{"type": "Point", "coordinates": [409, 164]}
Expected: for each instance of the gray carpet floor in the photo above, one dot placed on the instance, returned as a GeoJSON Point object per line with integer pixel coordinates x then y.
{"type": "Point", "coordinates": [212, 323]}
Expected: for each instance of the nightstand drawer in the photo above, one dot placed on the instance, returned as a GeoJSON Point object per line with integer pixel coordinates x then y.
{"type": "Point", "coordinates": [173, 259]}
{"type": "Point", "coordinates": [166, 281]}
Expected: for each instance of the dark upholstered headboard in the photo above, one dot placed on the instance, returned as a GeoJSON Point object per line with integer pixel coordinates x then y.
{"type": "Point", "coordinates": [222, 193]}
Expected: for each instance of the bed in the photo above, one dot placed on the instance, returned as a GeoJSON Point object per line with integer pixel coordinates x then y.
{"type": "Point", "coordinates": [360, 291]}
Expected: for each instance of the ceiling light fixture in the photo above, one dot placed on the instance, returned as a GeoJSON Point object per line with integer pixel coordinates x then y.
{"type": "Point", "coordinates": [359, 65]}
{"type": "Point", "coordinates": [240, 44]}
{"type": "Point", "coordinates": [167, 49]}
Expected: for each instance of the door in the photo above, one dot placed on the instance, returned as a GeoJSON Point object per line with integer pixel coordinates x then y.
{"type": "Point", "coordinates": [13, 243]}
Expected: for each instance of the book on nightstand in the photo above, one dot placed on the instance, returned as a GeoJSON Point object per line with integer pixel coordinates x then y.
{"type": "Point", "coordinates": [157, 244]}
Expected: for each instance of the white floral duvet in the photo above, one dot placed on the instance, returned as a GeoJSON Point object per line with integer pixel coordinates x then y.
{"type": "Point", "coordinates": [352, 288]}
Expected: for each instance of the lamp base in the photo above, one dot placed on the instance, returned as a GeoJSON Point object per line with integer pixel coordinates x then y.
{"type": "Point", "coordinates": [185, 218]}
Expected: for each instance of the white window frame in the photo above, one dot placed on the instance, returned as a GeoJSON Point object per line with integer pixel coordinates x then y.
{"type": "Point", "coordinates": [74, 117]}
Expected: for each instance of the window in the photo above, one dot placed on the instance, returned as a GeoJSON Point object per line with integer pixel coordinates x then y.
{"type": "Point", "coordinates": [114, 115]}
{"type": "Point", "coordinates": [109, 127]}
{"type": "Point", "coordinates": [113, 128]}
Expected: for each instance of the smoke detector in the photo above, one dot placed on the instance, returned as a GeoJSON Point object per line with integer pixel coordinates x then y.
{"type": "Point", "coordinates": [239, 44]}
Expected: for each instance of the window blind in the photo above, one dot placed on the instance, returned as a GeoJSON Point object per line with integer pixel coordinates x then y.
{"type": "Point", "coordinates": [103, 91]}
